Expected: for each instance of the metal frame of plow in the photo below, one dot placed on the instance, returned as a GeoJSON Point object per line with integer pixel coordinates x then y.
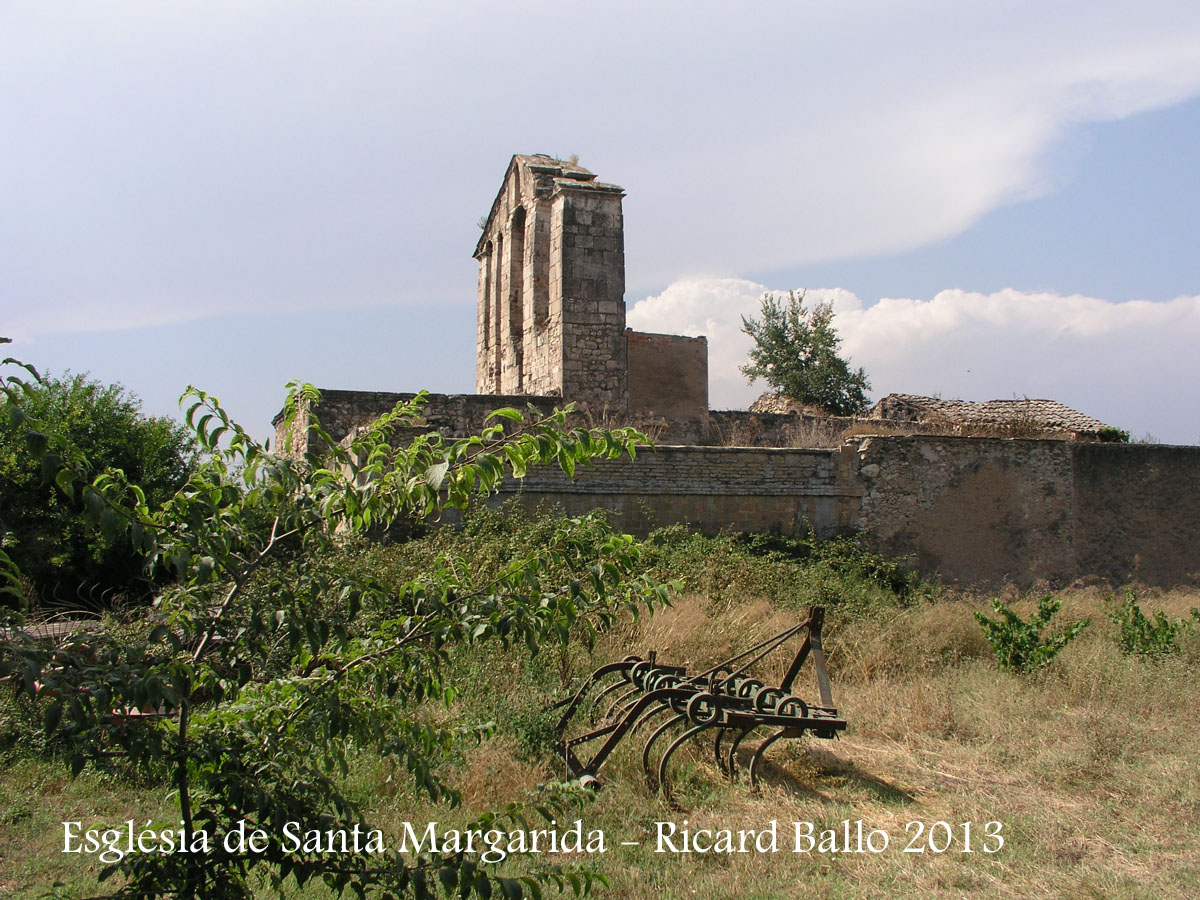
{"type": "Point", "coordinates": [625, 696]}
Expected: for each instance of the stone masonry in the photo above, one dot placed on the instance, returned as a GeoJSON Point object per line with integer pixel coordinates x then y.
{"type": "Point", "coordinates": [552, 287]}
{"type": "Point", "coordinates": [551, 330]}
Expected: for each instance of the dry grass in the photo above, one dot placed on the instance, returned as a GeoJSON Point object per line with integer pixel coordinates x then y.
{"type": "Point", "coordinates": [815, 434]}
{"type": "Point", "coordinates": [1091, 765]}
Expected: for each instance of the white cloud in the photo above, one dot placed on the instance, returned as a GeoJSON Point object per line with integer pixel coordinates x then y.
{"type": "Point", "coordinates": [1130, 363]}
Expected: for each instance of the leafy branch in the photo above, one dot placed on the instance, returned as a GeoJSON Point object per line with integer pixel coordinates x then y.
{"type": "Point", "coordinates": [256, 673]}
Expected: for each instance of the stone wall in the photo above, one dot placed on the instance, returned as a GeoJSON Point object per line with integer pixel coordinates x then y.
{"type": "Point", "coordinates": [587, 282]}
{"type": "Point", "coordinates": [707, 488]}
{"type": "Point", "coordinates": [970, 509]}
{"type": "Point", "coordinates": [1137, 511]}
{"type": "Point", "coordinates": [459, 415]}
{"type": "Point", "coordinates": [452, 415]}
{"type": "Point", "coordinates": [979, 511]}
{"type": "Point", "coordinates": [975, 511]}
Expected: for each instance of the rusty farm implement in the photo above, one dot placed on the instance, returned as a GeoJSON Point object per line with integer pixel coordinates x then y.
{"type": "Point", "coordinates": [725, 702]}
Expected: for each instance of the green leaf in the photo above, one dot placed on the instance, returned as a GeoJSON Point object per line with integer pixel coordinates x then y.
{"type": "Point", "coordinates": [65, 479]}
{"type": "Point", "coordinates": [51, 717]}
{"type": "Point", "coordinates": [436, 474]}
{"type": "Point", "coordinates": [507, 412]}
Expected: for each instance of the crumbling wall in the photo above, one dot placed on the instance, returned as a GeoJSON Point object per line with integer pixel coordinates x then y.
{"type": "Point", "coordinates": [551, 307]}
{"type": "Point", "coordinates": [452, 415]}
{"type": "Point", "coordinates": [989, 511]}
{"type": "Point", "coordinates": [969, 509]}
{"type": "Point", "coordinates": [973, 511]}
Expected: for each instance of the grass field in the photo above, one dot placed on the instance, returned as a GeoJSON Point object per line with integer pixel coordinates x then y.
{"type": "Point", "coordinates": [1091, 765]}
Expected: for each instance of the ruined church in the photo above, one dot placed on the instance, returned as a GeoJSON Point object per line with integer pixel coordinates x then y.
{"type": "Point", "coordinates": [552, 302]}
{"type": "Point", "coordinates": [940, 483]}
{"type": "Point", "coordinates": [550, 330]}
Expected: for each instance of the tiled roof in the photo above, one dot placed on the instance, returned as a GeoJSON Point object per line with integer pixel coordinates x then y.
{"type": "Point", "coordinates": [1045, 414]}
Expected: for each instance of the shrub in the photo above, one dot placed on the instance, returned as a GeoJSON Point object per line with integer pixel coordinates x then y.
{"type": "Point", "coordinates": [1154, 637]}
{"type": "Point", "coordinates": [1020, 646]}
{"type": "Point", "coordinates": [46, 532]}
{"type": "Point", "coordinates": [793, 571]}
{"type": "Point", "coordinates": [1111, 435]}
{"type": "Point", "coordinates": [265, 674]}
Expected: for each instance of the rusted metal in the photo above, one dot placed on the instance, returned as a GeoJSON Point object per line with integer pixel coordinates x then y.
{"type": "Point", "coordinates": [724, 698]}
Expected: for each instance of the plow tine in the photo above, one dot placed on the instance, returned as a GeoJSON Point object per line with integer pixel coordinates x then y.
{"type": "Point", "coordinates": [648, 715]}
{"type": "Point", "coordinates": [617, 704]}
{"type": "Point", "coordinates": [733, 750]}
{"type": "Point", "coordinates": [678, 742]}
{"type": "Point", "coordinates": [658, 732]}
{"type": "Point", "coordinates": [756, 760]}
{"type": "Point", "coordinates": [615, 686]}
{"type": "Point", "coordinates": [717, 752]}
{"type": "Point", "coordinates": [572, 703]}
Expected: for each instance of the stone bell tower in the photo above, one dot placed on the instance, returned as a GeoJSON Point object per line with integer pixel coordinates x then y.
{"type": "Point", "coordinates": [551, 287]}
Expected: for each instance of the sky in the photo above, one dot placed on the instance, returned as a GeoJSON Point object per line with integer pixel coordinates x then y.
{"type": "Point", "coordinates": [998, 199]}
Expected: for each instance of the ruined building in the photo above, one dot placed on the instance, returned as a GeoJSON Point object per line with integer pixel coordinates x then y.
{"type": "Point", "coordinates": [551, 322]}
{"type": "Point", "coordinates": [972, 492]}
{"type": "Point", "coordinates": [552, 303]}
{"type": "Point", "coordinates": [550, 330]}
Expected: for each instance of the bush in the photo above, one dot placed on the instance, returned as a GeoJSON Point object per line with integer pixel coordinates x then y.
{"type": "Point", "coordinates": [1020, 646]}
{"type": "Point", "coordinates": [45, 531]}
{"type": "Point", "coordinates": [1154, 637]}
{"type": "Point", "coordinates": [1110, 435]}
{"type": "Point", "coordinates": [793, 571]}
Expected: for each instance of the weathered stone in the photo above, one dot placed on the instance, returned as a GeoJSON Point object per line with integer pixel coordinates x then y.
{"type": "Point", "coordinates": [552, 306]}
{"type": "Point", "coordinates": [551, 329]}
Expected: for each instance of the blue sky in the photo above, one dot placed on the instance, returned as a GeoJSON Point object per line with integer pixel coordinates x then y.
{"type": "Point", "coordinates": [237, 194]}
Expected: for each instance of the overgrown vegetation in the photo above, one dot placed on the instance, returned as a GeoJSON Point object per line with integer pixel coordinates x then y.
{"type": "Point", "coordinates": [314, 703]}
{"type": "Point", "coordinates": [259, 678]}
{"type": "Point", "coordinates": [1093, 768]}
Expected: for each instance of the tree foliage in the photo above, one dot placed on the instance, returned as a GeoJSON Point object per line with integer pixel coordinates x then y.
{"type": "Point", "coordinates": [796, 352]}
{"type": "Point", "coordinates": [259, 674]}
{"type": "Point", "coordinates": [44, 530]}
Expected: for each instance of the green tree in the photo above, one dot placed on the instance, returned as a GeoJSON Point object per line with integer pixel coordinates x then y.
{"type": "Point", "coordinates": [259, 673]}
{"type": "Point", "coordinates": [42, 529]}
{"type": "Point", "coordinates": [796, 352]}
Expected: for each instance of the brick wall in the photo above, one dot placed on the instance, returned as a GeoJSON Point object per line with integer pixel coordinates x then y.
{"type": "Point", "coordinates": [668, 376]}
{"type": "Point", "coordinates": [708, 488]}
